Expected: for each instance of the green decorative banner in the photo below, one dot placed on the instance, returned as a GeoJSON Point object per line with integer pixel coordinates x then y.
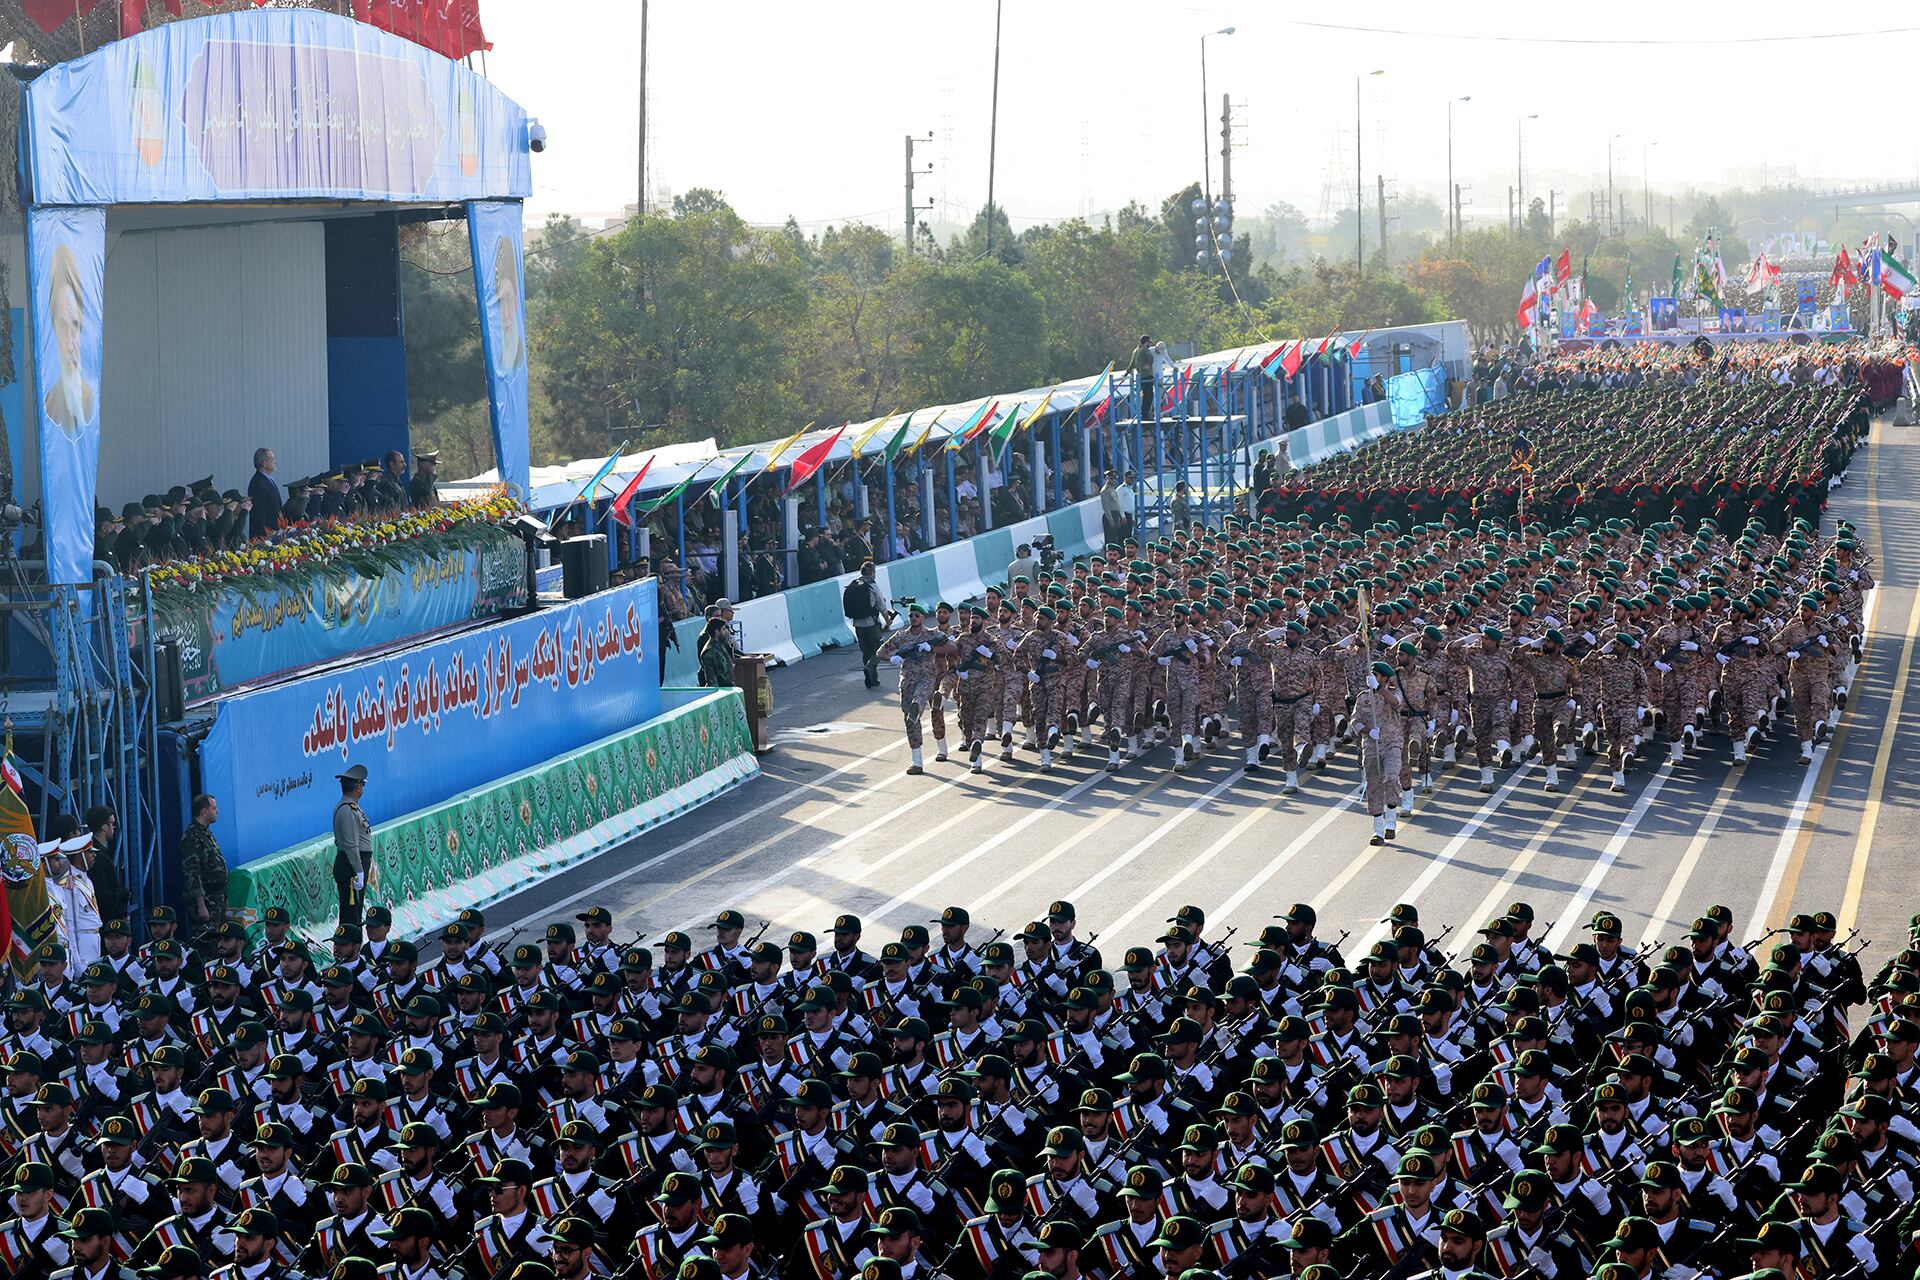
{"type": "Point", "coordinates": [495, 840]}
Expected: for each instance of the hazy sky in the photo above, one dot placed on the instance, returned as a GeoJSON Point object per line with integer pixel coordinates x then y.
{"type": "Point", "coordinates": [801, 108]}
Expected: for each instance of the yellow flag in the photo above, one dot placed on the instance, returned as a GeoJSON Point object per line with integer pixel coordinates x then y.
{"type": "Point", "coordinates": [1035, 415]}
{"type": "Point", "coordinates": [774, 459]}
{"type": "Point", "coordinates": [860, 442]}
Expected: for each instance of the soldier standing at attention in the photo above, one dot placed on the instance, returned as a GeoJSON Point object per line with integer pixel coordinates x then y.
{"type": "Point", "coordinates": [421, 491]}
{"type": "Point", "coordinates": [352, 844]}
{"type": "Point", "coordinates": [912, 651]}
{"type": "Point", "coordinates": [203, 866]}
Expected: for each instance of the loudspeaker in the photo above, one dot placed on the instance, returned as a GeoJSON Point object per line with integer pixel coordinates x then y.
{"type": "Point", "coordinates": [169, 686]}
{"type": "Point", "coordinates": [583, 565]}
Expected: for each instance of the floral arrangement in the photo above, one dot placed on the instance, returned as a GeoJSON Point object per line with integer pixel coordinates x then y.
{"type": "Point", "coordinates": [367, 547]}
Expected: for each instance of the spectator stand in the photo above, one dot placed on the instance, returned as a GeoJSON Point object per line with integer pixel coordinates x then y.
{"type": "Point", "coordinates": [253, 292]}
{"type": "Point", "coordinates": [929, 481]}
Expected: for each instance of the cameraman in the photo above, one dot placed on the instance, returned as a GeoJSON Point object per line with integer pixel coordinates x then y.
{"type": "Point", "coordinates": [1023, 565]}
{"type": "Point", "coordinates": [865, 606]}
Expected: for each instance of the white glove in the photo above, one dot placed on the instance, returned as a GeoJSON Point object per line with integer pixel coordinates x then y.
{"type": "Point", "coordinates": [1821, 641]}
{"type": "Point", "coordinates": [1690, 646]}
{"type": "Point", "coordinates": [963, 674]}
{"type": "Point", "coordinates": [1574, 706]}
{"type": "Point", "coordinates": [1316, 708]}
{"type": "Point", "coordinates": [1662, 666]}
{"type": "Point", "coordinates": [1541, 1261]}
{"type": "Point", "coordinates": [1093, 664]}
{"type": "Point", "coordinates": [1126, 648]}
{"type": "Point", "coordinates": [1234, 661]}
{"type": "Point", "coordinates": [1193, 646]}
{"type": "Point", "coordinates": [1722, 659]}
{"type": "Point", "coordinates": [897, 660]}
{"type": "Point", "coordinates": [1048, 654]}
{"type": "Point", "coordinates": [1453, 717]}
{"type": "Point", "coordinates": [1033, 677]}
{"type": "Point", "coordinates": [983, 651]}
{"type": "Point", "coordinates": [1749, 639]}
{"type": "Point", "coordinates": [1207, 641]}
{"type": "Point", "coordinates": [1374, 734]}
{"type": "Point", "coordinates": [360, 882]}
{"type": "Point", "coordinates": [924, 647]}
{"type": "Point", "coordinates": [1166, 662]}
{"type": "Point", "coordinates": [1513, 704]}
{"type": "Point", "coordinates": [1841, 618]}
{"type": "Point", "coordinates": [1793, 655]}
{"type": "Point", "coordinates": [1587, 636]}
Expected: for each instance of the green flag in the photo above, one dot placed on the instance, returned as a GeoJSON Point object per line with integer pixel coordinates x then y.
{"type": "Point", "coordinates": [654, 504]}
{"type": "Point", "coordinates": [1677, 277]}
{"type": "Point", "coordinates": [715, 489]}
{"type": "Point", "coordinates": [894, 445]}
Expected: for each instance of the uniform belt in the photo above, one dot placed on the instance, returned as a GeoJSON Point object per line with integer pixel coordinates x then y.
{"type": "Point", "coordinates": [1549, 697]}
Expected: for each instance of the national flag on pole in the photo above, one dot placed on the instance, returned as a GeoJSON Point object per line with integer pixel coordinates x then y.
{"type": "Point", "coordinates": [1529, 300]}
{"type": "Point", "coordinates": [1563, 267]}
{"type": "Point", "coordinates": [1101, 410]}
{"type": "Point", "coordinates": [1895, 279]}
{"type": "Point", "coordinates": [606, 469]}
{"type": "Point", "coordinates": [1269, 362]}
{"type": "Point", "coordinates": [1678, 277]}
{"type": "Point", "coordinates": [860, 441]}
{"type": "Point", "coordinates": [773, 459]}
{"type": "Point", "coordinates": [626, 495]}
{"type": "Point", "coordinates": [1843, 276]}
{"type": "Point", "coordinates": [1353, 348]}
{"type": "Point", "coordinates": [17, 841]}
{"type": "Point", "coordinates": [809, 462]}
{"type": "Point", "coordinates": [451, 28]}
{"type": "Point", "coordinates": [1003, 432]}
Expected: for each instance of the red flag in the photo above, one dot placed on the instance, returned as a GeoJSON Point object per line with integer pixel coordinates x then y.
{"type": "Point", "coordinates": [1563, 268]}
{"type": "Point", "coordinates": [1353, 351]}
{"type": "Point", "coordinates": [131, 13]}
{"type": "Point", "coordinates": [985, 420]}
{"type": "Point", "coordinates": [1325, 343]}
{"type": "Point", "coordinates": [1290, 363]}
{"type": "Point", "coordinates": [450, 28]}
{"type": "Point", "coordinates": [619, 508]}
{"type": "Point", "coordinates": [49, 14]}
{"type": "Point", "coordinates": [1272, 357]}
{"type": "Point", "coordinates": [809, 462]}
{"type": "Point", "coordinates": [1178, 391]}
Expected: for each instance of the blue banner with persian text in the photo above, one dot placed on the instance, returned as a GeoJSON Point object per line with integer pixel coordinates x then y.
{"type": "Point", "coordinates": [496, 236]}
{"type": "Point", "coordinates": [67, 261]}
{"type": "Point", "coordinates": [432, 722]}
{"type": "Point", "coordinates": [270, 105]}
{"type": "Point", "coordinates": [240, 636]}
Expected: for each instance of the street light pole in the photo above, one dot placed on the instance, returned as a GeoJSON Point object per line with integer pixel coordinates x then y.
{"type": "Point", "coordinates": [1206, 138]}
{"type": "Point", "coordinates": [1453, 206]}
{"type": "Point", "coordinates": [1646, 187]}
{"type": "Point", "coordinates": [1359, 183]}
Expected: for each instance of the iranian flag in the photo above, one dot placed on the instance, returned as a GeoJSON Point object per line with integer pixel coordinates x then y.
{"type": "Point", "coordinates": [1528, 301]}
{"type": "Point", "coordinates": [1893, 277]}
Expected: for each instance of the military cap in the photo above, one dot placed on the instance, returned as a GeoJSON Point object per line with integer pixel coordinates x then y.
{"type": "Point", "coordinates": [1179, 1232]}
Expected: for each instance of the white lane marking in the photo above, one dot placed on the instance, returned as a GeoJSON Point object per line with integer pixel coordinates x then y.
{"type": "Point", "coordinates": [1434, 868]}
{"type": "Point", "coordinates": [1502, 893]}
{"type": "Point", "coordinates": [784, 797]}
{"type": "Point", "coordinates": [1570, 917]}
{"type": "Point", "coordinates": [1079, 837]}
{"type": "Point", "coordinates": [1790, 834]}
{"type": "Point", "coordinates": [1662, 917]}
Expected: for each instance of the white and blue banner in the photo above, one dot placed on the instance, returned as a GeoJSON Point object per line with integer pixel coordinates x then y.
{"type": "Point", "coordinates": [432, 721]}
{"type": "Point", "coordinates": [66, 276]}
{"type": "Point", "coordinates": [270, 105]}
{"type": "Point", "coordinates": [496, 236]}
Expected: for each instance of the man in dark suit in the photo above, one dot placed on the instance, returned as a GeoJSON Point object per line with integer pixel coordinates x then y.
{"type": "Point", "coordinates": [265, 515]}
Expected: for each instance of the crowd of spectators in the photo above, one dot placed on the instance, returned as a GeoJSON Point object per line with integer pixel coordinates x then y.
{"type": "Point", "coordinates": [191, 520]}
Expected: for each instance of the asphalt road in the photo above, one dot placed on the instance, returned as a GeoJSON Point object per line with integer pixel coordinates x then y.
{"type": "Point", "coordinates": [834, 824]}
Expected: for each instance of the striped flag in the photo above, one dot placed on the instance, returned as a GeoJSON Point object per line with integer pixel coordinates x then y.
{"type": "Point", "coordinates": [606, 469]}
{"type": "Point", "coordinates": [975, 423]}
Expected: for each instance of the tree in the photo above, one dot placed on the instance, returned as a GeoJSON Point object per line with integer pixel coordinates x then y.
{"type": "Point", "coordinates": [684, 321]}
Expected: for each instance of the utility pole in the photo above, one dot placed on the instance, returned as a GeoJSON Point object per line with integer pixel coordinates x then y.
{"type": "Point", "coordinates": [1226, 148]}
{"type": "Point", "coordinates": [1552, 206]}
{"type": "Point", "coordinates": [1458, 205]}
{"type": "Point", "coordinates": [1381, 179]}
{"type": "Point", "coordinates": [911, 208]}
{"type": "Point", "coordinates": [993, 125]}
{"type": "Point", "coordinates": [640, 206]}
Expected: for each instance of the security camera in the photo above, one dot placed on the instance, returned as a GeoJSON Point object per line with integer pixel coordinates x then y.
{"type": "Point", "coordinates": [536, 136]}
